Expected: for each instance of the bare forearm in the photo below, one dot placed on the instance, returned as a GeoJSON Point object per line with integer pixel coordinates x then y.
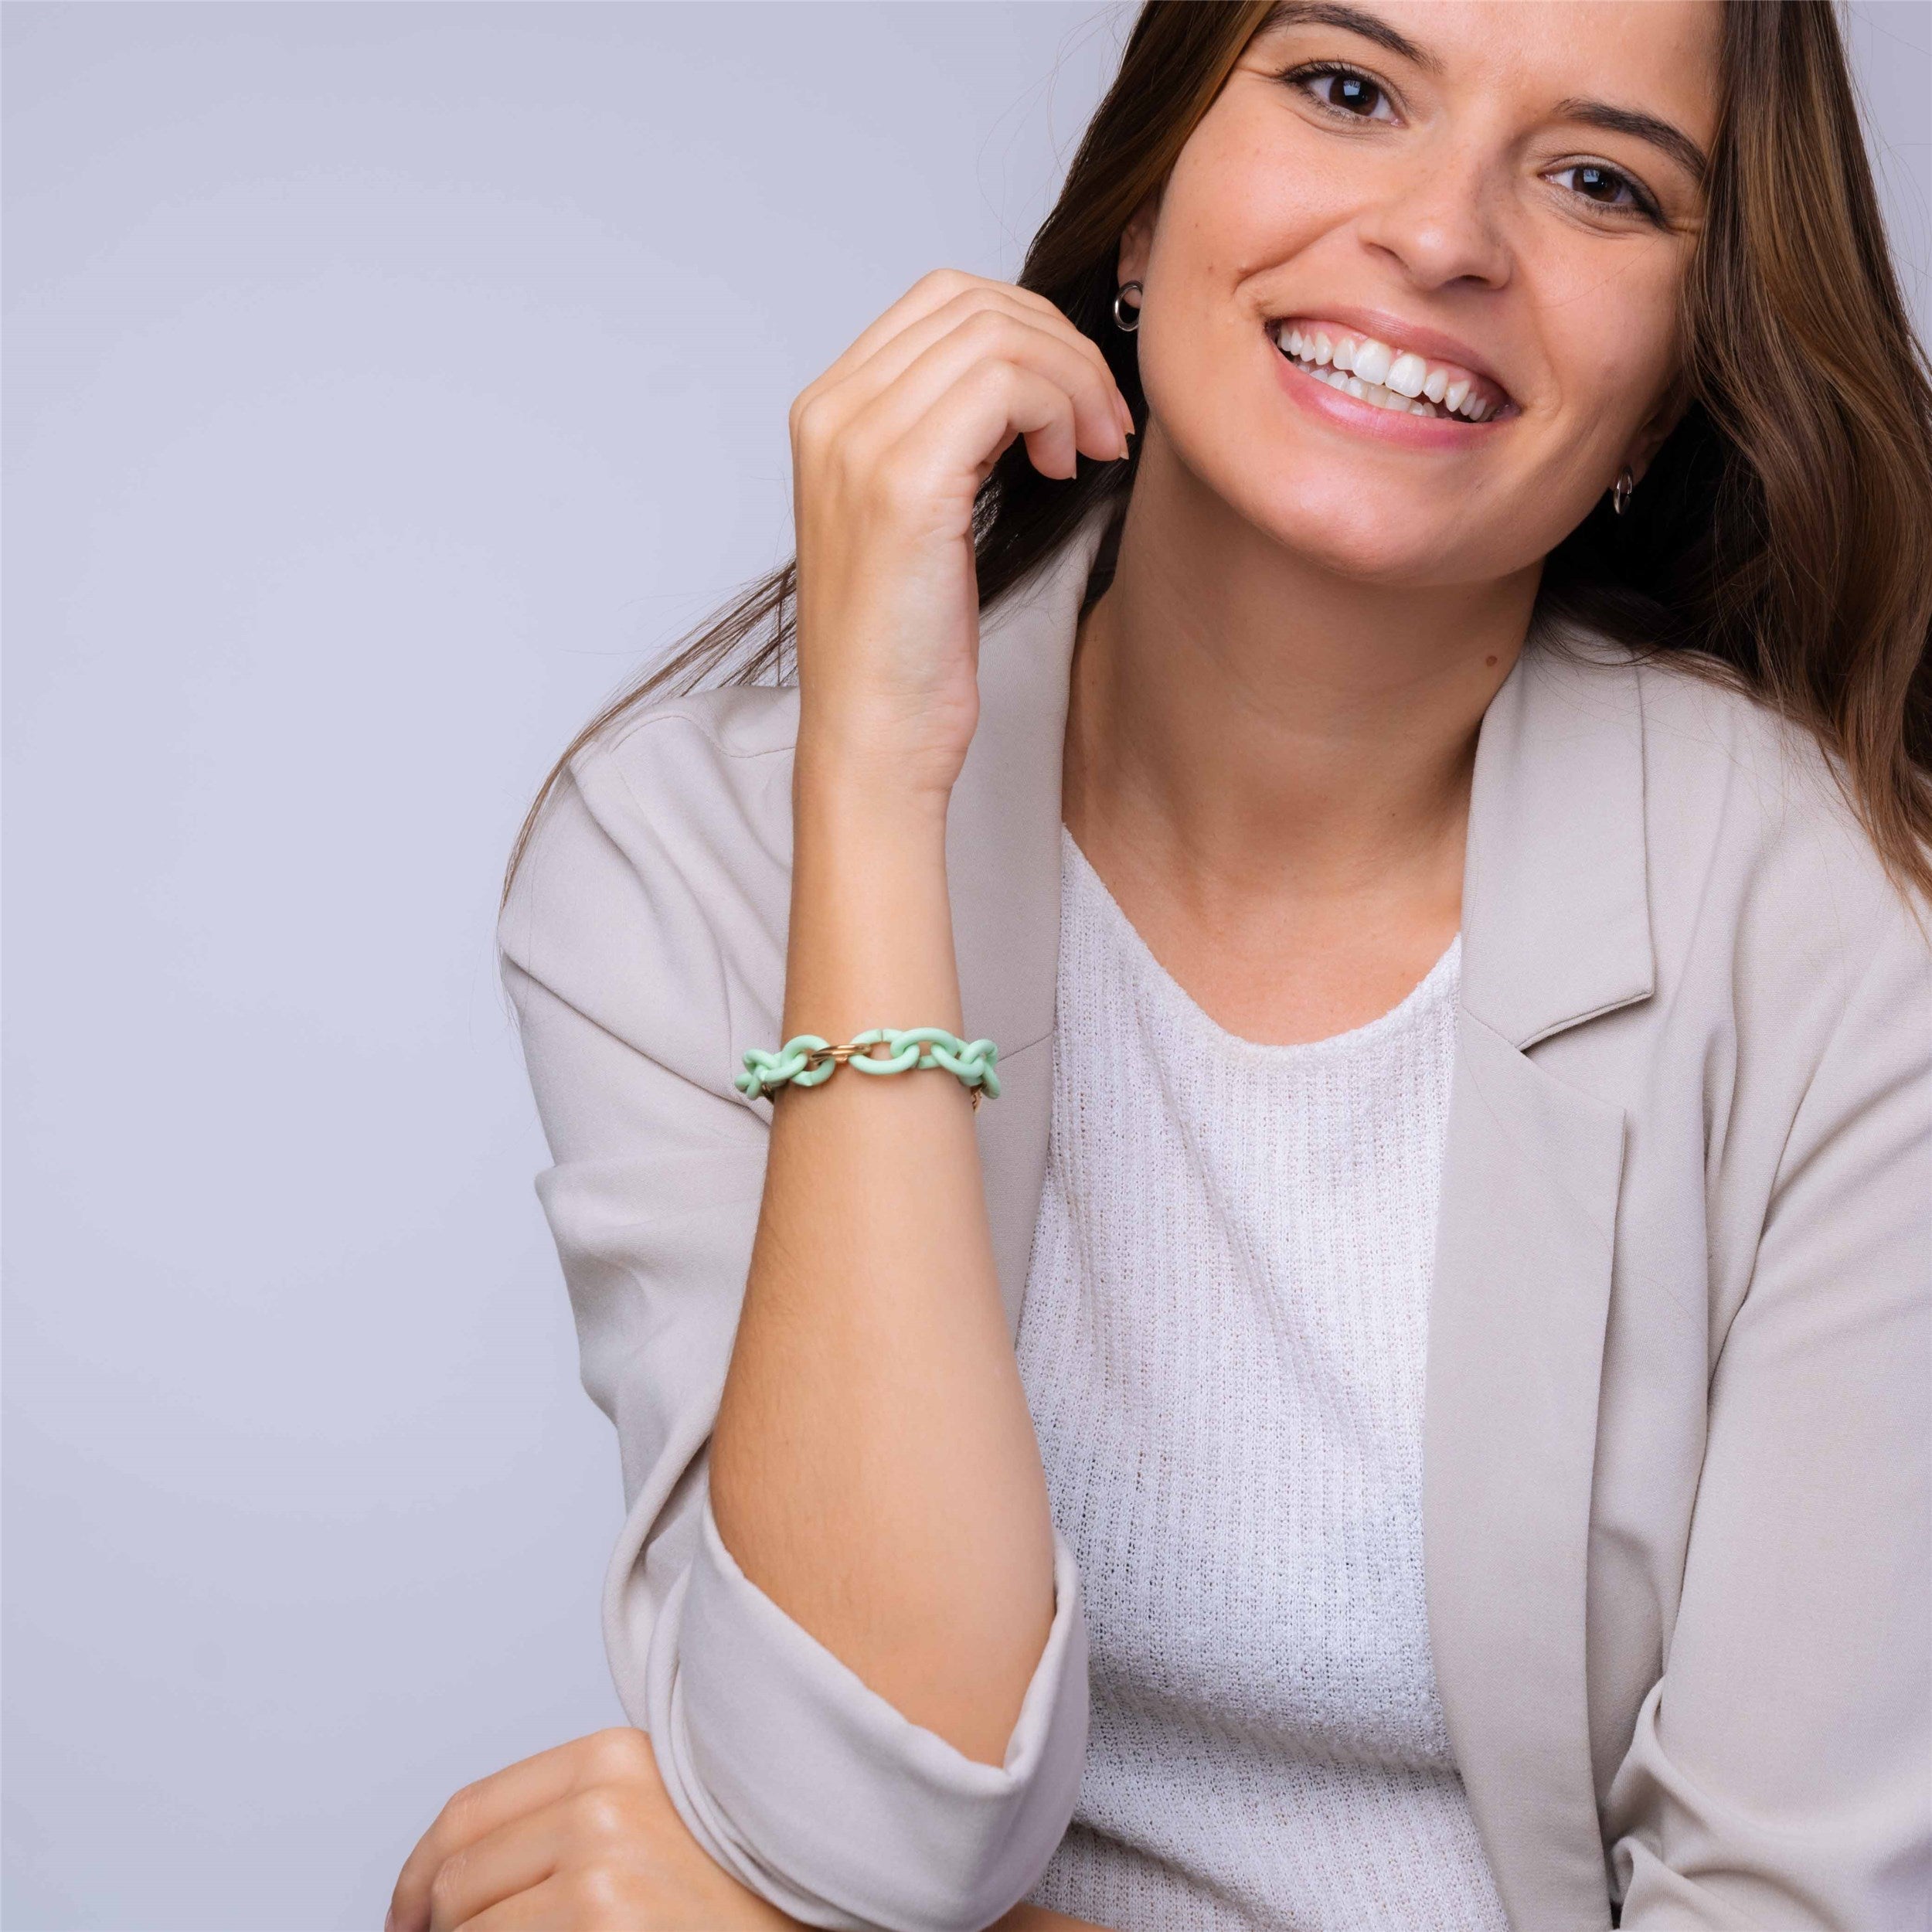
{"type": "Point", "coordinates": [874, 1469]}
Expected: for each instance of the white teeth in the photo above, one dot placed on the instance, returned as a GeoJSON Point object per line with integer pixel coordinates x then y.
{"type": "Point", "coordinates": [1388, 378]}
{"type": "Point", "coordinates": [1382, 399]}
{"type": "Point", "coordinates": [1407, 373]}
{"type": "Point", "coordinates": [1371, 360]}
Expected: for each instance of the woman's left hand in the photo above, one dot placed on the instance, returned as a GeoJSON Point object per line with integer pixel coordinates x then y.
{"type": "Point", "coordinates": [580, 1839]}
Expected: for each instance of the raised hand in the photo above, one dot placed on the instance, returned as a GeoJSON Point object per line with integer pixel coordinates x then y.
{"type": "Point", "coordinates": [889, 448]}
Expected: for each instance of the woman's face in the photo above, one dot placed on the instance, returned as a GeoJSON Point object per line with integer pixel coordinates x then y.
{"type": "Point", "coordinates": [1410, 289]}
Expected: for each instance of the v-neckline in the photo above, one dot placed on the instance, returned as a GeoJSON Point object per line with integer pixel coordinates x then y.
{"type": "Point", "coordinates": [1437, 983]}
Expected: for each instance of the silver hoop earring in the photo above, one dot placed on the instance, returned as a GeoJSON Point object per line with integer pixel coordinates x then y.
{"type": "Point", "coordinates": [1620, 491]}
{"type": "Point", "coordinates": [1122, 311]}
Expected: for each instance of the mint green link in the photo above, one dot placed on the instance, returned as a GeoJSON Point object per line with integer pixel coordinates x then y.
{"type": "Point", "coordinates": [970, 1062]}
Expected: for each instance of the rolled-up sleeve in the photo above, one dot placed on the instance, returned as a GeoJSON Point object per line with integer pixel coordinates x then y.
{"type": "Point", "coordinates": [779, 1740]}
{"type": "Point", "coordinates": [805, 1783]}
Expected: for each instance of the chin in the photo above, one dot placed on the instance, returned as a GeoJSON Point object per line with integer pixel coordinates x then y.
{"type": "Point", "coordinates": [1364, 535]}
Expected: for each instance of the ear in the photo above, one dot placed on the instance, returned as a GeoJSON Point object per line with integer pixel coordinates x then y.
{"type": "Point", "coordinates": [1137, 241]}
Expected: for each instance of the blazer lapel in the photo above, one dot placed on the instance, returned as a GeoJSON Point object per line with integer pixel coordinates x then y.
{"type": "Point", "coordinates": [1556, 931]}
{"type": "Point", "coordinates": [1003, 874]}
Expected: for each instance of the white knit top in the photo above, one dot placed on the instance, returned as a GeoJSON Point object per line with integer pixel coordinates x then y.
{"type": "Point", "coordinates": [1222, 1344]}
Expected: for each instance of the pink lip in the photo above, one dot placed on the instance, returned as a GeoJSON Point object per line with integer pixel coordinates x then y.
{"type": "Point", "coordinates": [1400, 335]}
{"type": "Point", "coordinates": [1338, 406]}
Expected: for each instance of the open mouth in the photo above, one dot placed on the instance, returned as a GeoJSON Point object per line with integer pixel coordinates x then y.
{"type": "Point", "coordinates": [1385, 375]}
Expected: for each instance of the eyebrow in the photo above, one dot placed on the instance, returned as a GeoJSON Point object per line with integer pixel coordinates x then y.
{"type": "Point", "coordinates": [1660, 134]}
{"type": "Point", "coordinates": [1626, 120]}
{"type": "Point", "coordinates": [1329, 13]}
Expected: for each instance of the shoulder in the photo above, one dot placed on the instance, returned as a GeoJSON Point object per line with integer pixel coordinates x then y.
{"type": "Point", "coordinates": [1745, 809]}
{"type": "Point", "coordinates": [1790, 967]}
{"type": "Point", "coordinates": [1739, 866]}
{"type": "Point", "coordinates": [1742, 807]}
{"type": "Point", "coordinates": [703, 752]}
{"type": "Point", "coordinates": [654, 891]}
{"type": "Point", "coordinates": [694, 788]}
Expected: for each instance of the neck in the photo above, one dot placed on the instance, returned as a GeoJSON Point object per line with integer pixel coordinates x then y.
{"type": "Point", "coordinates": [1240, 715]}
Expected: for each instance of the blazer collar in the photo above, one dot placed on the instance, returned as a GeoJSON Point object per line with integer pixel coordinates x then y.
{"type": "Point", "coordinates": [1555, 906]}
{"type": "Point", "coordinates": [1556, 895]}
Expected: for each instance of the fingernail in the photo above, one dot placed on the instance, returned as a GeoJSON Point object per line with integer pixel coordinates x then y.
{"type": "Point", "coordinates": [388, 1920]}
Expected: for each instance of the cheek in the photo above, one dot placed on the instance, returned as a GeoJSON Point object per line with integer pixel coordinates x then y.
{"type": "Point", "coordinates": [1610, 346]}
{"type": "Point", "coordinates": [1245, 200]}
{"type": "Point", "coordinates": [1611, 374]}
{"type": "Point", "coordinates": [1243, 218]}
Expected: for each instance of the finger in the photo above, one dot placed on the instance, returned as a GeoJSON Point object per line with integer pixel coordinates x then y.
{"type": "Point", "coordinates": [472, 1814]}
{"type": "Point", "coordinates": [929, 293]}
{"type": "Point", "coordinates": [547, 1907]}
{"type": "Point", "coordinates": [559, 1905]}
{"type": "Point", "coordinates": [989, 405]}
{"type": "Point", "coordinates": [899, 351]}
{"type": "Point", "coordinates": [567, 1903]}
{"type": "Point", "coordinates": [995, 340]}
{"type": "Point", "coordinates": [516, 1857]}
{"type": "Point", "coordinates": [527, 1786]}
{"type": "Point", "coordinates": [895, 354]}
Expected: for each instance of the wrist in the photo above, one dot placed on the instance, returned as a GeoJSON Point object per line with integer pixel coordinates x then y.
{"type": "Point", "coordinates": [832, 787]}
{"type": "Point", "coordinates": [870, 939]}
{"type": "Point", "coordinates": [902, 761]}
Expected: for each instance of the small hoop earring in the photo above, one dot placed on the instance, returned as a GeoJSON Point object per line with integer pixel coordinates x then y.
{"type": "Point", "coordinates": [1620, 491]}
{"type": "Point", "coordinates": [1122, 311]}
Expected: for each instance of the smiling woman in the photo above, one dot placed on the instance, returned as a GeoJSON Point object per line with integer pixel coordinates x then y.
{"type": "Point", "coordinates": [1385, 683]}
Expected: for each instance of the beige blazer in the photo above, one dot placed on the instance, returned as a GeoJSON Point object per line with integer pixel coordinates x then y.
{"type": "Point", "coordinates": [1678, 1432]}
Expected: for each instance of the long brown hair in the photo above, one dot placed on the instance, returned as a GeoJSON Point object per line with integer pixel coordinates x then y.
{"type": "Point", "coordinates": [1783, 539]}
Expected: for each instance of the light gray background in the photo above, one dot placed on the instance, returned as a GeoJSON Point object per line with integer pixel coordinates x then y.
{"type": "Point", "coordinates": [385, 385]}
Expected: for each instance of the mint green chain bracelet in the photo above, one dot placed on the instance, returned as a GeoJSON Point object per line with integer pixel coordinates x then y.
{"type": "Point", "coordinates": [805, 1059]}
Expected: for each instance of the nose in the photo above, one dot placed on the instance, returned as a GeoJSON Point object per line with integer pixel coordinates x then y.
{"type": "Point", "coordinates": [1439, 219]}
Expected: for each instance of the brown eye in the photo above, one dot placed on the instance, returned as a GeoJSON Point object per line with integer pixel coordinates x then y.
{"type": "Point", "coordinates": [1608, 187]}
{"type": "Point", "coordinates": [1351, 91]}
{"type": "Point", "coordinates": [1599, 184]}
{"type": "Point", "coordinates": [1345, 92]}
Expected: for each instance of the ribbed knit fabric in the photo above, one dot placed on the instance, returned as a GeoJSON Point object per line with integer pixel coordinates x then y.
{"type": "Point", "coordinates": [1222, 1344]}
